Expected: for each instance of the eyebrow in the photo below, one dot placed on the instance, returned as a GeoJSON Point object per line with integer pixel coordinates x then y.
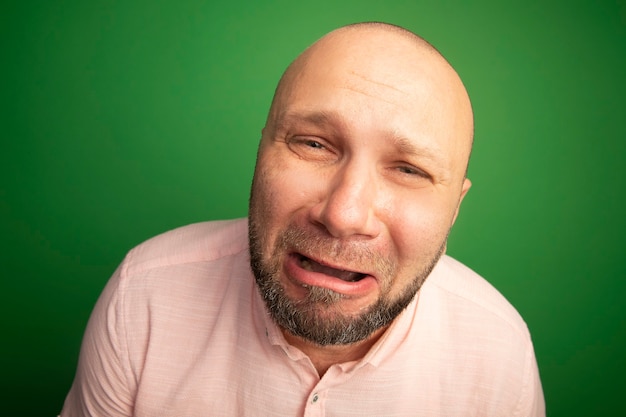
{"type": "Point", "coordinates": [318, 118]}
{"type": "Point", "coordinates": [406, 146]}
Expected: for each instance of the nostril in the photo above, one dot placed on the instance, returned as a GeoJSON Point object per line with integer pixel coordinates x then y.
{"type": "Point", "coordinates": [343, 222]}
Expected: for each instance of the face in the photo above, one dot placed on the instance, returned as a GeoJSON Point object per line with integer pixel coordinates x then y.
{"type": "Point", "coordinates": [359, 176]}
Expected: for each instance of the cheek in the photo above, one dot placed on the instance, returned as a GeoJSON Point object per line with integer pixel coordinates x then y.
{"type": "Point", "coordinates": [418, 228]}
{"type": "Point", "coordinates": [280, 193]}
{"type": "Point", "coordinates": [277, 196]}
{"type": "Point", "coordinates": [418, 235]}
{"type": "Point", "coordinates": [263, 205]}
{"type": "Point", "coordinates": [286, 185]}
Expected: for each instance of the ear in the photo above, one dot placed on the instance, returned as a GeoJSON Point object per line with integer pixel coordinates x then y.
{"type": "Point", "coordinates": [464, 189]}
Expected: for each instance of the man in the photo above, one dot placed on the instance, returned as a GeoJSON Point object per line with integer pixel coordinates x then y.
{"type": "Point", "coordinates": [340, 302]}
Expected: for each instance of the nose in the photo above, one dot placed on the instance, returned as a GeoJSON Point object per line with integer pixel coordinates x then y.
{"type": "Point", "coordinates": [348, 206]}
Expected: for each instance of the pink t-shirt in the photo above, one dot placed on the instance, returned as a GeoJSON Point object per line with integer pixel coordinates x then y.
{"type": "Point", "coordinates": [180, 330]}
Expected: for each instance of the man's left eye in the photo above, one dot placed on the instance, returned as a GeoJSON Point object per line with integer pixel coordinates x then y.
{"type": "Point", "coordinates": [407, 170]}
{"type": "Point", "coordinates": [413, 171]}
{"type": "Point", "coordinates": [410, 170]}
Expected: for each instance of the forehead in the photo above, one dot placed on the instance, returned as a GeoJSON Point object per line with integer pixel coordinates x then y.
{"type": "Point", "coordinates": [379, 73]}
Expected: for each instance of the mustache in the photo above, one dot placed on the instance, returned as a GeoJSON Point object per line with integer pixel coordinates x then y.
{"type": "Point", "coordinates": [357, 256]}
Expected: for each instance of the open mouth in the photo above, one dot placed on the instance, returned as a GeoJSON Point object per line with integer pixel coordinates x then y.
{"type": "Point", "coordinates": [344, 275]}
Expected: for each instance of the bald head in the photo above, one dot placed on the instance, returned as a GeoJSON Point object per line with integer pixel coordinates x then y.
{"type": "Point", "coordinates": [356, 31]}
{"type": "Point", "coordinates": [404, 66]}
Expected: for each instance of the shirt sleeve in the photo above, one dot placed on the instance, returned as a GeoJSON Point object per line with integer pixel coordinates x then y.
{"type": "Point", "coordinates": [102, 385]}
{"type": "Point", "coordinates": [532, 403]}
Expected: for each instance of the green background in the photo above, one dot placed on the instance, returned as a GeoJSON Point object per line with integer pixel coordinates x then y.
{"type": "Point", "coordinates": [122, 119]}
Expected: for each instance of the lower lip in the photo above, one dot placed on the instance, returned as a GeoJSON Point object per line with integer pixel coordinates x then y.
{"type": "Point", "coordinates": [301, 276]}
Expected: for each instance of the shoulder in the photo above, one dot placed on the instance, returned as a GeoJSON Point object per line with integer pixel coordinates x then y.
{"type": "Point", "coordinates": [480, 339]}
{"type": "Point", "coordinates": [172, 297]}
{"type": "Point", "coordinates": [459, 287]}
{"type": "Point", "coordinates": [199, 242]}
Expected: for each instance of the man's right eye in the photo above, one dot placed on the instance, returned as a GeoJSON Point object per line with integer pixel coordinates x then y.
{"type": "Point", "coordinates": [308, 142]}
{"type": "Point", "coordinates": [310, 148]}
{"type": "Point", "coordinates": [314, 144]}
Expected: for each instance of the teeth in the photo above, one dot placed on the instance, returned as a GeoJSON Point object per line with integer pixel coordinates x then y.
{"type": "Point", "coordinates": [312, 266]}
{"type": "Point", "coordinates": [354, 277]}
{"type": "Point", "coordinates": [306, 264]}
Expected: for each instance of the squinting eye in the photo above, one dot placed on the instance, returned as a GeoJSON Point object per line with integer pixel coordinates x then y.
{"type": "Point", "coordinates": [311, 148]}
{"type": "Point", "coordinates": [313, 144]}
{"type": "Point", "coordinates": [409, 170]}
{"type": "Point", "coordinates": [306, 142]}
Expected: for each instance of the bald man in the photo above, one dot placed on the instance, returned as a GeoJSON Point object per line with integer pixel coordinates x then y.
{"type": "Point", "coordinates": [335, 297]}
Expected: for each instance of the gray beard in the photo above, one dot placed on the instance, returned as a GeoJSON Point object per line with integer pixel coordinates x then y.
{"type": "Point", "coordinates": [316, 318]}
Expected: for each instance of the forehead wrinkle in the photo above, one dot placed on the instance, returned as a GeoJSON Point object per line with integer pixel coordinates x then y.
{"type": "Point", "coordinates": [378, 90]}
{"type": "Point", "coordinates": [378, 83]}
{"type": "Point", "coordinates": [376, 96]}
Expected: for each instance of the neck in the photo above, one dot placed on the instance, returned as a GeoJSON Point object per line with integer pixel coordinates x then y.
{"type": "Point", "coordinates": [323, 357]}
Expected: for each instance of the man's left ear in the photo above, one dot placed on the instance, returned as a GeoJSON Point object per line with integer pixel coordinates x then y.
{"type": "Point", "coordinates": [464, 189]}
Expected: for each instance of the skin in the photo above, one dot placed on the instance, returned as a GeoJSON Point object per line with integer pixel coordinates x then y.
{"type": "Point", "coordinates": [361, 167]}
